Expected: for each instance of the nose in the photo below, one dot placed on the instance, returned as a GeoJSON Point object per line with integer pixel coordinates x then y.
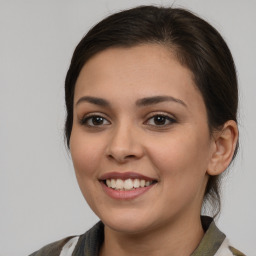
{"type": "Point", "coordinates": [124, 144]}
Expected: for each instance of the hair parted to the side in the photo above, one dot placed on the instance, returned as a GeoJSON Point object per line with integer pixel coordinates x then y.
{"type": "Point", "coordinates": [196, 44]}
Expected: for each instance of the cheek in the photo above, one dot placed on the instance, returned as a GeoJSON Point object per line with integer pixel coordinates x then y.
{"type": "Point", "coordinates": [85, 153]}
{"type": "Point", "coordinates": [185, 155]}
{"type": "Point", "coordinates": [181, 163]}
{"type": "Point", "coordinates": [86, 156]}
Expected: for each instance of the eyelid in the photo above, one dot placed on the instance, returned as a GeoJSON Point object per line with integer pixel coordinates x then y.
{"type": "Point", "coordinates": [161, 113]}
{"type": "Point", "coordinates": [87, 116]}
{"type": "Point", "coordinates": [168, 116]}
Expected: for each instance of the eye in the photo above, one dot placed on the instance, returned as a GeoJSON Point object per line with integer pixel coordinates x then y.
{"type": "Point", "coordinates": [160, 120]}
{"type": "Point", "coordinates": [94, 120]}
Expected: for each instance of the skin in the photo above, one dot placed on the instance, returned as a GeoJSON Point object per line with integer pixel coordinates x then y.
{"type": "Point", "coordinates": [179, 154]}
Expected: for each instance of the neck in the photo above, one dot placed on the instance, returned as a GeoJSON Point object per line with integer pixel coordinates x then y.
{"type": "Point", "coordinates": [180, 238]}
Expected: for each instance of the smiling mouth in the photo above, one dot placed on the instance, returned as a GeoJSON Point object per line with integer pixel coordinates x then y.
{"type": "Point", "coordinates": [128, 184]}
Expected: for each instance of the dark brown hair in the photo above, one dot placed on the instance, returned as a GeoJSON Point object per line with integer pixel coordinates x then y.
{"type": "Point", "coordinates": [197, 46]}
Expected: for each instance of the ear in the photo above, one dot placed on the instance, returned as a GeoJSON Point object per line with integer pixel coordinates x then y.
{"type": "Point", "coordinates": [224, 145]}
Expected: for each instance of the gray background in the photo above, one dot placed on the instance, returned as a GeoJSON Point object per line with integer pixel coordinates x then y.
{"type": "Point", "coordinates": [40, 200]}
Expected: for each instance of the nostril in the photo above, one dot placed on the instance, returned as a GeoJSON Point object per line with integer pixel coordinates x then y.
{"type": "Point", "coordinates": [121, 158]}
{"type": "Point", "coordinates": [130, 156]}
{"type": "Point", "coordinates": [125, 151]}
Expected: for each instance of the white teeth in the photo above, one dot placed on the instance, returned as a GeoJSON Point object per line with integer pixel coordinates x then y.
{"type": "Point", "coordinates": [108, 183]}
{"type": "Point", "coordinates": [113, 183]}
{"type": "Point", "coordinates": [127, 184]}
{"type": "Point", "coordinates": [119, 184]}
{"type": "Point", "coordinates": [136, 183]}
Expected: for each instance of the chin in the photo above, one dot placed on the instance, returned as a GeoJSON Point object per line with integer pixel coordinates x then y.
{"type": "Point", "coordinates": [126, 227]}
{"type": "Point", "coordinates": [129, 222]}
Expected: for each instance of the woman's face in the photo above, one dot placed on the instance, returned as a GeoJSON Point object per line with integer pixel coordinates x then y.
{"type": "Point", "coordinates": [140, 141]}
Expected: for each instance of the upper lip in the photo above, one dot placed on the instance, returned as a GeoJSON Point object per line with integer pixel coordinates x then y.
{"type": "Point", "coordinates": [124, 176]}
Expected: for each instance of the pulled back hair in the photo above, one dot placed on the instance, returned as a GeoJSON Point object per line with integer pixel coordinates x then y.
{"type": "Point", "coordinates": [196, 45]}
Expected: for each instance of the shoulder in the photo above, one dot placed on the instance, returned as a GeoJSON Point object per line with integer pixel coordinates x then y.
{"type": "Point", "coordinates": [235, 251]}
{"type": "Point", "coordinates": [88, 243]}
{"type": "Point", "coordinates": [52, 249]}
{"type": "Point", "coordinates": [214, 242]}
{"type": "Point", "coordinates": [227, 250]}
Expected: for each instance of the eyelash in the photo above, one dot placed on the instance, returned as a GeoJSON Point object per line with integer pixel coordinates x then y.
{"type": "Point", "coordinates": [165, 118]}
{"type": "Point", "coordinates": [88, 120]}
{"type": "Point", "coordinates": [85, 120]}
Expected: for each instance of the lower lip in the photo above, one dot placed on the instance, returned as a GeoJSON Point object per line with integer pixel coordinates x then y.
{"type": "Point", "coordinates": [125, 194]}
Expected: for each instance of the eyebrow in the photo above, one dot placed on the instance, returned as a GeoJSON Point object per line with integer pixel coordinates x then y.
{"type": "Point", "coordinates": [158, 99]}
{"type": "Point", "coordinates": [94, 100]}
{"type": "Point", "coordinates": [141, 102]}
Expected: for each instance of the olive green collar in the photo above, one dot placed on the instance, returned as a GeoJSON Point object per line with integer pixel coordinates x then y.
{"type": "Point", "coordinates": [212, 239]}
{"type": "Point", "coordinates": [92, 240]}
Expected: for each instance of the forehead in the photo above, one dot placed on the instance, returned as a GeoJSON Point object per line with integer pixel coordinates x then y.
{"type": "Point", "coordinates": [147, 70]}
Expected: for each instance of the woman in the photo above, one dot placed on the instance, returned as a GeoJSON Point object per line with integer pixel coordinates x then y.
{"type": "Point", "coordinates": [151, 98]}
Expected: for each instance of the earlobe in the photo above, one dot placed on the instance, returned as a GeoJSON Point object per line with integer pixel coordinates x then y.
{"type": "Point", "coordinates": [225, 142]}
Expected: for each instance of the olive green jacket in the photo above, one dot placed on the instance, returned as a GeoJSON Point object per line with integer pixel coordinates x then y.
{"type": "Point", "coordinates": [214, 243]}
